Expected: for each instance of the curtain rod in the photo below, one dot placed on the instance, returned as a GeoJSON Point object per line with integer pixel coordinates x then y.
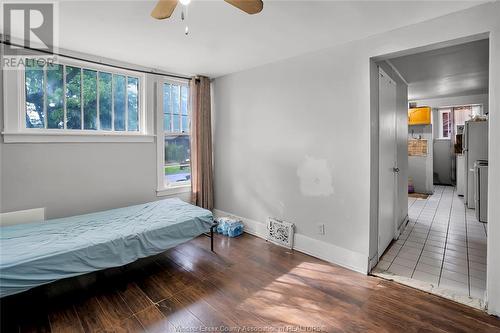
{"type": "Point", "coordinates": [96, 62]}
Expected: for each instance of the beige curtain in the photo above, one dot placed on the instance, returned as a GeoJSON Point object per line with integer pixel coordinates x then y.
{"type": "Point", "coordinates": [201, 144]}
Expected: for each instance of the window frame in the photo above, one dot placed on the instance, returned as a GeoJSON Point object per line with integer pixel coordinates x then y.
{"type": "Point", "coordinates": [440, 120]}
{"type": "Point", "coordinates": [15, 129]}
{"type": "Point", "coordinates": [164, 188]}
{"type": "Point", "coordinates": [97, 68]}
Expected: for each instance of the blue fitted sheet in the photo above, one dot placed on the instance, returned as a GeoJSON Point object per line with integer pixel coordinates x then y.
{"type": "Point", "coordinates": [38, 253]}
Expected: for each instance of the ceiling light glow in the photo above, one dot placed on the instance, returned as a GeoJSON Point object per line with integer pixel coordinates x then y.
{"type": "Point", "coordinates": [185, 2]}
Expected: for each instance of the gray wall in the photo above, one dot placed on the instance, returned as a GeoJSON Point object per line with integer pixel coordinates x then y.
{"type": "Point", "coordinates": [290, 144]}
{"type": "Point", "coordinates": [312, 113]}
{"type": "Point", "coordinates": [73, 178]}
{"type": "Point", "coordinates": [421, 167]}
{"type": "Point", "coordinates": [442, 162]}
{"type": "Point", "coordinates": [455, 101]}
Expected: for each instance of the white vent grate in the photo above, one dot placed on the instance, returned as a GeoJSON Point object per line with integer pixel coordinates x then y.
{"type": "Point", "coordinates": [280, 232]}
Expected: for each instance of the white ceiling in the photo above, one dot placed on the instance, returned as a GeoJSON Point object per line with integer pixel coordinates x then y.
{"type": "Point", "coordinates": [452, 71]}
{"type": "Point", "coordinates": [223, 39]}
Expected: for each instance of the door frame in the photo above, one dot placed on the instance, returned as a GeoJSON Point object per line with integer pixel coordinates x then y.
{"type": "Point", "coordinates": [400, 185]}
{"type": "Point", "coordinates": [395, 165]}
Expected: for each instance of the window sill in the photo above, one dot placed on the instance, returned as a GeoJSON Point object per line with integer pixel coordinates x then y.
{"type": "Point", "coordinates": [24, 137]}
{"type": "Point", "coordinates": [173, 190]}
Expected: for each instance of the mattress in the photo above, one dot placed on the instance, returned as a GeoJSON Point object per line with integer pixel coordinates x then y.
{"type": "Point", "coordinates": [42, 252]}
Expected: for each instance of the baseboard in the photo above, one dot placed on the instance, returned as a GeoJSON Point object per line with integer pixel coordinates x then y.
{"type": "Point", "coordinates": [22, 216]}
{"type": "Point", "coordinates": [372, 262]}
{"type": "Point", "coordinates": [322, 250]}
{"type": "Point", "coordinates": [402, 225]}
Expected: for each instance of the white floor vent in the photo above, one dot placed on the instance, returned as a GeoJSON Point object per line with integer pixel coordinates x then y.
{"type": "Point", "coordinates": [280, 232]}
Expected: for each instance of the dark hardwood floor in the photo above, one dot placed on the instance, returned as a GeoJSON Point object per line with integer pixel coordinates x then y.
{"type": "Point", "coordinates": [248, 284]}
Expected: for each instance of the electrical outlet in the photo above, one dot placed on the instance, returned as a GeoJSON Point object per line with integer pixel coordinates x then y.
{"type": "Point", "coordinates": [321, 229]}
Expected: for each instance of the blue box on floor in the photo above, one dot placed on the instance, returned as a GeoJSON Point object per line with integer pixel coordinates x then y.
{"type": "Point", "coordinates": [229, 226]}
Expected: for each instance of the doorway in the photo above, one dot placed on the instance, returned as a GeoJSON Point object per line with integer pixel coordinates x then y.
{"type": "Point", "coordinates": [439, 235]}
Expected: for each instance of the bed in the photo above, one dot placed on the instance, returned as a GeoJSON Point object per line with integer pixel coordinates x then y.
{"type": "Point", "coordinates": [41, 252]}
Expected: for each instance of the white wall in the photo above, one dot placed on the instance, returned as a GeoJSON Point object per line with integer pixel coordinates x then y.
{"type": "Point", "coordinates": [293, 138]}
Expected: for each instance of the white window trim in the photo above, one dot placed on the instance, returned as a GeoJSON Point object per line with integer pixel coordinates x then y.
{"type": "Point", "coordinates": [162, 188]}
{"type": "Point", "coordinates": [440, 124]}
{"type": "Point", "coordinates": [15, 130]}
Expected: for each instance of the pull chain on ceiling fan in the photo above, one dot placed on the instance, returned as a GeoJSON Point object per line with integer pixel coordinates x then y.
{"type": "Point", "coordinates": [165, 8]}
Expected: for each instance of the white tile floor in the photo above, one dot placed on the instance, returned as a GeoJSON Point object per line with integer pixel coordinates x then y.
{"type": "Point", "coordinates": [443, 244]}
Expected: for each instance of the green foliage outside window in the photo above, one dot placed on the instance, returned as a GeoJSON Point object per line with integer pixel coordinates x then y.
{"type": "Point", "coordinates": [47, 89]}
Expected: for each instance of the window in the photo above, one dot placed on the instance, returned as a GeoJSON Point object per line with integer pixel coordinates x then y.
{"type": "Point", "coordinates": [444, 123]}
{"type": "Point", "coordinates": [461, 114]}
{"type": "Point", "coordinates": [176, 135]}
{"type": "Point", "coordinates": [72, 98]}
{"type": "Point", "coordinates": [476, 110]}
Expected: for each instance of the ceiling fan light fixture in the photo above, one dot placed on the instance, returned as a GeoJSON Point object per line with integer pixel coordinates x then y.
{"type": "Point", "coordinates": [165, 8]}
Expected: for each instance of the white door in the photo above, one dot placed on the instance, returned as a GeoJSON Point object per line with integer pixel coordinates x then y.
{"type": "Point", "coordinates": [387, 162]}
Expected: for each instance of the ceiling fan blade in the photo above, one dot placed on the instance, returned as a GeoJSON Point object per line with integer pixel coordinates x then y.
{"type": "Point", "coordinates": [248, 6]}
{"type": "Point", "coordinates": [163, 9]}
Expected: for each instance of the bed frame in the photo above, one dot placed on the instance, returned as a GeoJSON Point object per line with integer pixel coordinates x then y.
{"type": "Point", "coordinates": [211, 235]}
{"type": "Point", "coordinates": [187, 221]}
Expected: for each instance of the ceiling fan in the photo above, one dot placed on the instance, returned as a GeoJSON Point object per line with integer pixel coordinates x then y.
{"type": "Point", "coordinates": [165, 8]}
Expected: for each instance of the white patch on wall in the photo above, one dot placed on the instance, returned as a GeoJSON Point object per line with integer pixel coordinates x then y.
{"type": "Point", "coordinates": [315, 177]}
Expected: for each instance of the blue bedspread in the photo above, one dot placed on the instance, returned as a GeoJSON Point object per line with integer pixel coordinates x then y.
{"type": "Point", "coordinates": [38, 253]}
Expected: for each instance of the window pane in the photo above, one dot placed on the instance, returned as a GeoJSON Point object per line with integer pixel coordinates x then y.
{"type": "Point", "coordinates": [184, 109]}
{"type": "Point", "coordinates": [167, 122]}
{"type": "Point", "coordinates": [133, 103]}
{"type": "Point", "coordinates": [176, 108]}
{"type": "Point", "coordinates": [476, 110]}
{"type": "Point", "coordinates": [55, 108]}
{"type": "Point", "coordinates": [89, 99]}
{"type": "Point", "coordinates": [119, 102]}
{"type": "Point", "coordinates": [105, 101]}
{"type": "Point", "coordinates": [184, 100]}
{"type": "Point", "coordinates": [446, 124]}
{"type": "Point", "coordinates": [73, 105]}
{"type": "Point", "coordinates": [167, 110]}
{"type": "Point", "coordinates": [185, 124]}
{"type": "Point", "coordinates": [177, 159]}
{"type": "Point", "coordinates": [175, 121]}
{"type": "Point", "coordinates": [462, 114]}
{"type": "Point", "coordinates": [33, 77]}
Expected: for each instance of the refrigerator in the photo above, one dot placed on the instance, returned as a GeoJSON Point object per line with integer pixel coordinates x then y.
{"type": "Point", "coordinates": [475, 143]}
